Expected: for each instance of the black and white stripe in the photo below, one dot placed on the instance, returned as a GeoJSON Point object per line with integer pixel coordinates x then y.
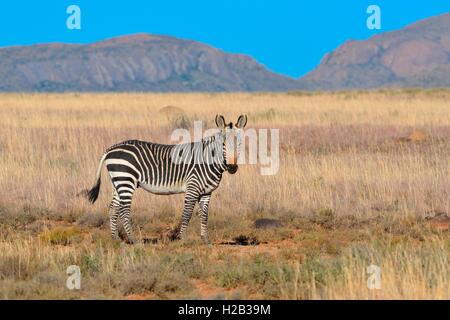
{"type": "Point", "coordinates": [194, 169]}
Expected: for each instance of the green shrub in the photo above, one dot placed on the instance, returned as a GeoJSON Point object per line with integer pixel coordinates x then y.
{"type": "Point", "coordinates": [61, 236]}
{"type": "Point", "coordinates": [229, 277]}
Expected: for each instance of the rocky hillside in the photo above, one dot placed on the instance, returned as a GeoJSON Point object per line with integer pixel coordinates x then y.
{"type": "Point", "coordinates": [418, 55]}
{"type": "Point", "coordinates": [139, 63]}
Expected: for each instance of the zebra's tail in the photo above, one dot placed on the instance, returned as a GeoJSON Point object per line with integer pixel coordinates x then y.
{"type": "Point", "coordinates": [92, 194]}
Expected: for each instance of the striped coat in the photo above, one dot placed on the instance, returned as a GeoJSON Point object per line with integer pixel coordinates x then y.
{"type": "Point", "coordinates": [194, 169]}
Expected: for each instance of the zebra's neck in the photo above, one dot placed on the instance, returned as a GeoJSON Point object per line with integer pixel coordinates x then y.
{"type": "Point", "coordinates": [215, 146]}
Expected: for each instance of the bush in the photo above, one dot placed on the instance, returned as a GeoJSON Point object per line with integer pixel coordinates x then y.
{"type": "Point", "coordinates": [255, 273]}
{"type": "Point", "coordinates": [17, 219]}
{"type": "Point", "coordinates": [159, 275]}
{"type": "Point", "coordinates": [324, 217]}
{"type": "Point", "coordinates": [229, 277]}
{"type": "Point", "coordinates": [61, 236]}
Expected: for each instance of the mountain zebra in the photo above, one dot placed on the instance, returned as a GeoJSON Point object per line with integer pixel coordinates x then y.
{"type": "Point", "coordinates": [194, 169]}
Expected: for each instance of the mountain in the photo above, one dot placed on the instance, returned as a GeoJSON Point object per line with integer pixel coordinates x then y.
{"type": "Point", "coordinates": [139, 62]}
{"type": "Point", "coordinates": [417, 55]}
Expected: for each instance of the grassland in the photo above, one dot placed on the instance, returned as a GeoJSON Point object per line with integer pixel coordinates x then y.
{"type": "Point", "coordinates": [364, 179]}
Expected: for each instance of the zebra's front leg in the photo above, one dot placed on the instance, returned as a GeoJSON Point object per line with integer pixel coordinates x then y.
{"type": "Point", "coordinates": [204, 204]}
{"type": "Point", "coordinates": [189, 204]}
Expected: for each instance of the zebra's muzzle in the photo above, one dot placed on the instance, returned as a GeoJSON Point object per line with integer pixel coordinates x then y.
{"type": "Point", "coordinates": [232, 168]}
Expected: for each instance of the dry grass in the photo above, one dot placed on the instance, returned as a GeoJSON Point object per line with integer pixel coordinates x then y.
{"type": "Point", "coordinates": [359, 172]}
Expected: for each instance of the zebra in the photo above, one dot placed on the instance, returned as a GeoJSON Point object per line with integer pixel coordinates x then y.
{"type": "Point", "coordinates": [194, 169]}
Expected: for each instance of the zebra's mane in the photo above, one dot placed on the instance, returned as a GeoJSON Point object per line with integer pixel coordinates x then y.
{"type": "Point", "coordinates": [217, 137]}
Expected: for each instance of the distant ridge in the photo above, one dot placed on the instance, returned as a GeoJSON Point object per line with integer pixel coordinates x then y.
{"type": "Point", "coordinates": [415, 56]}
{"type": "Point", "coordinates": [140, 62]}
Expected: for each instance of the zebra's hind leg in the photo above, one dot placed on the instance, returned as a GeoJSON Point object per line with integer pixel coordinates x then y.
{"type": "Point", "coordinates": [124, 186]}
{"type": "Point", "coordinates": [125, 193]}
{"type": "Point", "coordinates": [124, 214]}
{"type": "Point", "coordinates": [114, 215]}
{"type": "Point", "coordinates": [204, 204]}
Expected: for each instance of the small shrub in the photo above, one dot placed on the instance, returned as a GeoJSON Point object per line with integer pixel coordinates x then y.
{"type": "Point", "coordinates": [255, 273]}
{"type": "Point", "coordinates": [229, 277]}
{"type": "Point", "coordinates": [89, 264]}
{"type": "Point", "coordinates": [189, 265]}
{"type": "Point", "coordinates": [17, 219]}
{"type": "Point", "coordinates": [61, 236]}
{"type": "Point", "coordinates": [156, 275]}
{"type": "Point", "coordinates": [260, 271]}
{"type": "Point", "coordinates": [325, 217]}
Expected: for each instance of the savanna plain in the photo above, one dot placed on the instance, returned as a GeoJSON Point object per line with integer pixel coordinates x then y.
{"type": "Point", "coordinates": [364, 179]}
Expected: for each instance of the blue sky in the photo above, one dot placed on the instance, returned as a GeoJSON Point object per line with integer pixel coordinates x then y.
{"type": "Point", "coordinates": [287, 36]}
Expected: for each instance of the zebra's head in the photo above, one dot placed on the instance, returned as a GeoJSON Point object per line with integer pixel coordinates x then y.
{"type": "Point", "coordinates": [232, 135]}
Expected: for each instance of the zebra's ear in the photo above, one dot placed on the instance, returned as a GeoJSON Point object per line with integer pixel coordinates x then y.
{"type": "Point", "coordinates": [220, 121]}
{"type": "Point", "coordinates": [242, 121]}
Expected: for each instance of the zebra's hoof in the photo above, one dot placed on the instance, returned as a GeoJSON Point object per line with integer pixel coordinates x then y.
{"type": "Point", "coordinates": [181, 236]}
{"type": "Point", "coordinates": [205, 239]}
{"type": "Point", "coordinates": [131, 240]}
{"type": "Point", "coordinates": [115, 237]}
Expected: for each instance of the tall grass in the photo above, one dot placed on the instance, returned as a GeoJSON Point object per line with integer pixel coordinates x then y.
{"type": "Point", "coordinates": [337, 150]}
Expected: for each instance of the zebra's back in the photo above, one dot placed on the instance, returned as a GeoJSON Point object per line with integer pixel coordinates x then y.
{"type": "Point", "coordinates": [152, 166]}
